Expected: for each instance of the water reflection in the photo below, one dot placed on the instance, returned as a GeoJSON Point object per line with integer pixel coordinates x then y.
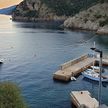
{"type": "Point", "coordinates": [95, 83]}
{"type": "Point", "coordinates": [55, 25]}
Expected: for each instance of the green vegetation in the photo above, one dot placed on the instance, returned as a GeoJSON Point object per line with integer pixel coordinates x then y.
{"type": "Point", "coordinates": [10, 96]}
{"type": "Point", "coordinates": [102, 1]}
{"type": "Point", "coordinates": [68, 7]}
{"type": "Point", "coordinates": [54, 9]}
{"type": "Point", "coordinates": [31, 13]}
{"type": "Point", "coordinates": [85, 20]}
{"type": "Point", "coordinates": [104, 22]}
{"type": "Point", "coordinates": [97, 16]}
{"type": "Point", "coordinates": [59, 7]}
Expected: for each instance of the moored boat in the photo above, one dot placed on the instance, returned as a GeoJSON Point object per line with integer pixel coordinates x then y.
{"type": "Point", "coordinates": [95, 67]}
{"type": "Point", "coordinates": [90, 74]}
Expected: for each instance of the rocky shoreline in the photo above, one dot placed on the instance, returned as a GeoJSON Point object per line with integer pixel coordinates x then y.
{"type": "Point", "coordinates": [27, 19]}
{"type": "Point", "coordinates": [41, 23]}
{"type": "Point", "coordinates": [93, 19]}
{"type": "Point", "coordinates": [62, 23]}
{"type": "Point", "coordinates": [98, 30]}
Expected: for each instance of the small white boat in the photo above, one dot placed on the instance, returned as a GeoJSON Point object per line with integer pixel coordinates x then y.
{"type": "Point", "coordinates": [90, 74]}
{"type": "Point", "coordinates": [1, 61]}
{"type": "Point", "coordinates": [73, 79]}
{"type": "Point", "coordinates": [95, 67]}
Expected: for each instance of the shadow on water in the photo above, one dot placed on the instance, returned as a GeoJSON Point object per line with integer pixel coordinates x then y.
{"type": "Point", "coordinates": [66, 82]}
{"type": "Point", "coordinates": [102, 42]}
{"type": "Point", "coordinates": [55, 25]}
{"type": "Point", "coordinates": [104, 84]}
{"type": "Point", "coordinates": [63, 82]}
{"type": "Point", "coordinates": [1, 63]}
{"type": "Point", "coordinates": [72, 105]}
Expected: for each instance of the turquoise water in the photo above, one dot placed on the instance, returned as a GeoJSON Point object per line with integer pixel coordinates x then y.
{"type": "Point", "coordinates": [31, 56]}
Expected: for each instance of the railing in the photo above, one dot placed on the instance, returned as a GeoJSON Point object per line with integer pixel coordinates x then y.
{"type": "Point", "coordinates": [72, 62]}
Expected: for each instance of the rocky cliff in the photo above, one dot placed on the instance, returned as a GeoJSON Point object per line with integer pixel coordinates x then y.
{"type": "Point", "coordinates": [34, 10]}
{"type": "Point", "coordinates": [95, 18]}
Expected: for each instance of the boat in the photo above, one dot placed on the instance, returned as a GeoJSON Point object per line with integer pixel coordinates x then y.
{"type": "Point", "coordinates": [90, 74]}
{"type": "Point", "coordinates": [95, 67]}
{"type": "Point", "coordinates": [73, 79]}
{"type": "Point", "coordinates": [1, 61]}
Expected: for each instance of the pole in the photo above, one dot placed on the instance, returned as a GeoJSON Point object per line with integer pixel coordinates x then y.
{"type": "Point", "coordinates": [100, 73]}
{"type": "Point", "coordinates": [94, 55]}
{"type": "Point", "coordinates": [100, 81]}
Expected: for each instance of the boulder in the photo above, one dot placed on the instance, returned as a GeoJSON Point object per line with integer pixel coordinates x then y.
{"type": "Point", "coordinates": [103, 30]}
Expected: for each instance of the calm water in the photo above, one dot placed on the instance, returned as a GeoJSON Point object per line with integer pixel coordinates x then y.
{"type": "Point", "coordinates": [32, 55]}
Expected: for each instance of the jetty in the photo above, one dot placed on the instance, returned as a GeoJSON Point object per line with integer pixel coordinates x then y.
{"type": "Point", "coordinates": [86, 102]}
{"type": "Point", "coordinates": [74, 67]}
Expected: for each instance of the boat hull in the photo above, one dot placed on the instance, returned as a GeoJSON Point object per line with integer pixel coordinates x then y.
{"type": "Point", "coordinates": [94, 78]}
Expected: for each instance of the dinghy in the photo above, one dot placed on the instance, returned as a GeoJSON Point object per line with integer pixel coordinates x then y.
{"type": "Point", "coordinates": [73, 79]}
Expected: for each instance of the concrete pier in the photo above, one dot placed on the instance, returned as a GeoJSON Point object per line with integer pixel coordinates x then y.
{"type": "Point", "coordinates": [83, 99]}
{"type": "Point", "coordinates": [74, 67]}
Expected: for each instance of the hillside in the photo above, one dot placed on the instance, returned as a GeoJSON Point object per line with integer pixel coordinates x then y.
{"type": "Point", "coordinates": [8, 11]}
{"type": "Point", "coordinates": [33, 10]}
{"type": "Point", "coordinates": [95, 18]}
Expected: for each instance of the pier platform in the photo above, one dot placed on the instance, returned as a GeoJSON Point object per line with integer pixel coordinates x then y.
{"type": "Point", "coordinates": [74, 67]}
{"type": "Point", "coordinates": [83, 99]}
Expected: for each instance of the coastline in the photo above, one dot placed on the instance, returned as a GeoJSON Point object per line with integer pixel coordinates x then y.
{"type": "Point", "coordinates": [27, 19]}
{"type": "Point", "coordinates": [94, 18]}
{"type": "Point", "coordinates": [72, 23]}
{"type": "Point", "coordinates": [41, 22]}
{"type": "Point", "coordinates": [100, 31]}
{"type": "Point", "coordinates": [64, 24]}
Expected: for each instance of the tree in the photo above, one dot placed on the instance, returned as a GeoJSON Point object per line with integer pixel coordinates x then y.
{"type": "Point", "coordinates": [10, 96]}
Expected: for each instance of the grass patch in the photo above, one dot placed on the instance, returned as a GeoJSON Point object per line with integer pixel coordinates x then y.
{"type": "Point", "coordinates": [10, 96]}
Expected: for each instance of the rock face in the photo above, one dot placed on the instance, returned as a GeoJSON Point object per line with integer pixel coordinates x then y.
{"type": "Point", "coordinates": [31, 10]}
{"type": "Point", "coordinates": [34, 10]}
{"type": "Point", "coordinates": [103, 30]}
{"type": "Point", "coordinates": [95, 18]}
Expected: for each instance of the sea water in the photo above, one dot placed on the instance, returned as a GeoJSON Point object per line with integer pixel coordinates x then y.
{"type": "Point", "coordinates": [31, 55]}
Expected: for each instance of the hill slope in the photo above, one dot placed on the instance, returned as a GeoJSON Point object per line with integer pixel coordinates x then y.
{"type": "Point", "coordinates": [95, 18]}
{"type": "Point", "coordinates": [30, 10]}
{"type": "Point", "coordinates": [7, 11]}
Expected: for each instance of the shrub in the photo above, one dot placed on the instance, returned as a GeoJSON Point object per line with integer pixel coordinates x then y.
{"type": "Point", "coordinates": [10, 96]}
{"type": "Point", "coordinates": [85, 20]}
{"type": "Point", "coordinates": [97, 16]}
{"type": "Point", "coordinates": [104, 22]}
{"type": "Point", "coordinates": [31, 13]}
{"type": "Point", "coordinates": [68, 7]}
